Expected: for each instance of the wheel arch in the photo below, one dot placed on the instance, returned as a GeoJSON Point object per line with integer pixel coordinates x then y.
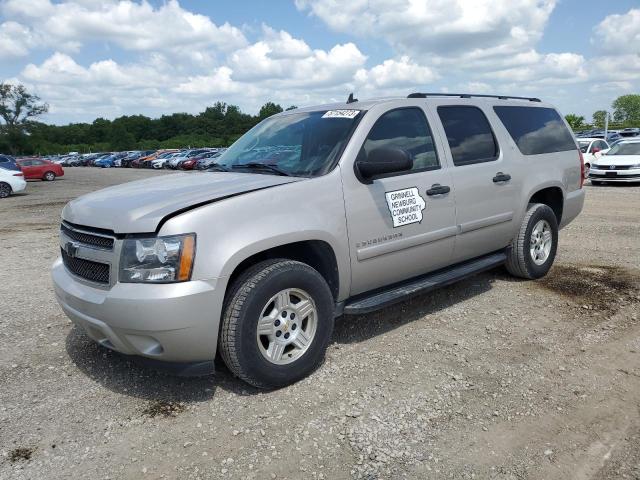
{"type": "Point", "coordinates": [318, 254]}
{"type": "Point", "coordinates": [551, 196]}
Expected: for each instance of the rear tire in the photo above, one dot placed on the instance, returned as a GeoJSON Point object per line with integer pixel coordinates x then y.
{"type": "Point", "coordinates": [533, 250]}
{"type": "Point", "coordinates": [277, 323]}
{"type": "Point", "coordinates": [5, 190]}
{"type": "Point", "coordinates": [49, 176]}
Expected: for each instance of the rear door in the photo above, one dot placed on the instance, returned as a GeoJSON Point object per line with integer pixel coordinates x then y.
{"type": "Point", "coordinates": [28, 169]}
{"type": "Point", "coordinates": [486, 182]}
{"type": "Point", "coordinates": [399, 226]}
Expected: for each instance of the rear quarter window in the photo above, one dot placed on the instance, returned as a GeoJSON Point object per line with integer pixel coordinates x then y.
{"type": "Point", "coordinates": [536, 130]}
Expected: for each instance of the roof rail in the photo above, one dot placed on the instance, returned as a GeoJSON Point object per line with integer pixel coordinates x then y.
{"type": "Point", "coordinates": [469, 95]}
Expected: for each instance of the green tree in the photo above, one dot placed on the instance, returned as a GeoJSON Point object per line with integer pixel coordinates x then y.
{"type": "Point", "coordinates": [599, 118]}
{"type": "Point", "coordinates": [269, 109]}
{"type": "Point", "coordinates": [626, 109]}
{"type": "Point", "coordinates": [575, 121]}
{"type": "Point", "coordinates": [17, 109]}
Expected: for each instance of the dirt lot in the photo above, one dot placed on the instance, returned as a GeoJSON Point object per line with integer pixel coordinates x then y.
{"type": "Point", "coordinates": [489, 378]}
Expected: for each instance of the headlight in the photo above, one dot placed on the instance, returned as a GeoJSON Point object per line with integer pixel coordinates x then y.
{"type": "Point", "coordinates": [158, 259]}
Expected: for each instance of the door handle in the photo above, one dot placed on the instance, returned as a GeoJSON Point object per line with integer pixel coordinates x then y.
{"type": "Point", "coordinates": [437, 189]}
{"type": "Point", "coordinates": [501, 177]}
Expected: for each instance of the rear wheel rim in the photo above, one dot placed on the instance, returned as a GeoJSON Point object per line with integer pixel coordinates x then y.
{"type": "Point", "coordinates": [287, 326]}
{"type": "Point", "coordinates": [5, 190]}
{"type": "Point", "coordinates": [540, 242]}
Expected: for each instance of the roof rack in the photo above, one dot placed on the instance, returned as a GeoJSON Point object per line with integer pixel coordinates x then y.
{"type": "Point", "coordinates": [469, 95]}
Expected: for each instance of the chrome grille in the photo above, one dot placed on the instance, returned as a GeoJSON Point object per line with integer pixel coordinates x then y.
{"type": "Point", "coordinates": [93, 240]}
{"type": "Point", "coordinates": [87, 269]}
{"type": "Point", "coordinates": [613, 167]}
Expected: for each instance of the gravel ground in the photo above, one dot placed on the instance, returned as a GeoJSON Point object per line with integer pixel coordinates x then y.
{"type": "Point", "coordinates": [489, 378]}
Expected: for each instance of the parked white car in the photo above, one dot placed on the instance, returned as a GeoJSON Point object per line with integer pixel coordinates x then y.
{"type": "Point", "coordinates": [11, 181]}
{"type": "Point", "coordinates": [620, 164]}
{"type": "Point", "coordinates": [591, 149]}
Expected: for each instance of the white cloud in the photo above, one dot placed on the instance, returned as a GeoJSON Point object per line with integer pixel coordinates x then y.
{"type": "Point", "coordinates": [396, 73]}
{"type": "Point", "coordinates": [549, 69]}
{"type": "Point", "coordinates": [618, 34]}
{"type": "Point", "coordinates": [128, 24]}
{"type": "Point", "coordinates": [440, 27]}
{"type": "Point", "coordinates": [15, 40]}
{"type": "Point", "coordinates": [290, 62]}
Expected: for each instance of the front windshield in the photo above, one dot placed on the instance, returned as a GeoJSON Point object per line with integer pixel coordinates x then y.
{"type": "Point", "coordinates": [625, 148]}
{"type": "Point", "coordinates": [300, 144]}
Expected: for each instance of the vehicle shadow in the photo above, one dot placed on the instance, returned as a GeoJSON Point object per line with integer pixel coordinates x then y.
{"type": "Point", "coordinates": [126, 375]}
{"type": "Point", "coordinates": [359, 328]}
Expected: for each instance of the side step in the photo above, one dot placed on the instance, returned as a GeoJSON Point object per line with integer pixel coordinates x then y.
{"type": "Point", "coordinates": [369, 302]}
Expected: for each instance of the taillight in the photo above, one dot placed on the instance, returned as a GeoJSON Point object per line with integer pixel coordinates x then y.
{"type": "Point", "coordinates": [582, 172]}
{"type": "Point", "coordinates": [18, 174]}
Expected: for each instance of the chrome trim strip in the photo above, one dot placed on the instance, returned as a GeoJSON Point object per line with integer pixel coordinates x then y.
{"type": "Point", "coordinates": [485, 222]}
{"type": "Point", "coordinates": [368, 252]}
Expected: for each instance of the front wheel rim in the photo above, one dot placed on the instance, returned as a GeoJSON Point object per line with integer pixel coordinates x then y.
{"type": "Point", "coordinates": [287, 326]}
{"type": "Point", "coordinates": [540, 242]}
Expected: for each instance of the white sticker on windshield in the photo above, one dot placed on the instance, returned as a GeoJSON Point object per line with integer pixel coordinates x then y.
{"type": "Point", "coordinates": [341, 114]}
{"type": "Point", "coordinates": [406, 206]}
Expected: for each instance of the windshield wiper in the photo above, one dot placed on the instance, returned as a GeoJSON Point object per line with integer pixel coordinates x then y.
{"type": "Point", "coordinates": [263, 166]}
{"type": "Point", "coordinates": [216, 167]}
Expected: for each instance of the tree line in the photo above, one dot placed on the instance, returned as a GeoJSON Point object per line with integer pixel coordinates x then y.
{"type": "Point", "coordinates": [20, 134]}
{"type": "Point", "coordinates": [626, 113]}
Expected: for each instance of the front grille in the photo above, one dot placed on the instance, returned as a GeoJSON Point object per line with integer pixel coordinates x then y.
{"type": "Point", "coordinates": [609, 167]}
{"type": "Point", "coordinates": [92, 271]}
{"type": "Point", "coordinates": [96, 241]}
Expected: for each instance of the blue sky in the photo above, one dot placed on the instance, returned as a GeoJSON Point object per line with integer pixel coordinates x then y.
{"type": "Point", "coordinates": [93, 58]}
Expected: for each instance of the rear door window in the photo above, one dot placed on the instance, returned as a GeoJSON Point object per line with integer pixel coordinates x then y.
{"type": "Point", "coordinates": [469, 134]}
{"type": "Point", "coordinates": [536, 130]}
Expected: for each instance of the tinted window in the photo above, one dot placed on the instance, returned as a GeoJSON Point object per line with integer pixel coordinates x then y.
{"type": "Point", "coordinates": [536, 130]}
{"type": "Point", "coordinates": [469, 135]}
{"type": "Point", "coordinates": [404, 128]}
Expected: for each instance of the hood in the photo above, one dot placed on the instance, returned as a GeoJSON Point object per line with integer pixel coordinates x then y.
{"type": "Point", "coordinates": [618, 160]}
{"type": "Point", "coordinates": [138, 207]}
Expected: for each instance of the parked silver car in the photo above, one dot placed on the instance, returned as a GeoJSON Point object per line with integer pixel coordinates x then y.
{"type": "Point", "coordinates": [314, 213]}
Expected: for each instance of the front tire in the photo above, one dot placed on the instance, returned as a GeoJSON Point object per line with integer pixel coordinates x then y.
{"type": "Point", "coordinates": [533, 250]}
{"type": "Point", "coordinates": [49, 177]}
{"type": "Point", "coordinates": [277, 323]}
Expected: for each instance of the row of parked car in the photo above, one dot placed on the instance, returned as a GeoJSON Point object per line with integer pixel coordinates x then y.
{"type": "Point", "coordinates": [176, 159]}
{"type": "Point", "coordinates": [15, 172]}
{"type": "Point", "coordinates": [610, 135]}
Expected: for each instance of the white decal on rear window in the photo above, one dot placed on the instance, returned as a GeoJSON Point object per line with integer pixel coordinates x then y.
{"type": "Point", "coordinates": [341, 114]}
{"type": "Point", "coordinates": [406, 206]}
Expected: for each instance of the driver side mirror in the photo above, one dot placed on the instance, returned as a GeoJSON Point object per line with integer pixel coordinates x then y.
{"type": "Point", "coordinates": [595, 150]}
{"type": "Point", "coordinates": [381, 161]}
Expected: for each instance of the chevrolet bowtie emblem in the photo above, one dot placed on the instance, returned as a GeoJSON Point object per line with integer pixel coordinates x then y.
{"type": "Point", "coordinates": [71, 248]}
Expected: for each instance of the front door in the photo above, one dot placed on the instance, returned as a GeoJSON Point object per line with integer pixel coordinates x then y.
{"type": "Point", "coordinates": [403, 224]}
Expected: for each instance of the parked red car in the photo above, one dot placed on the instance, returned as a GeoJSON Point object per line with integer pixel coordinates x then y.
{"type": "Point", "coordinates": [36, 169]}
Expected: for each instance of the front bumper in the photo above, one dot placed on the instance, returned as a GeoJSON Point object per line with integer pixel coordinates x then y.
{"type": "Point", "coordinates": [629, 175]}
{"type": "Point", "coordinates": [168, 322]}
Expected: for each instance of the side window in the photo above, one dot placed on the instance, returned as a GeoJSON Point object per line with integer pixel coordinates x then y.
{"type": "Point", "coordinates": [602, 145]}
{"type": "Point", "coordinates": [469, 134]}
{"type": "Point", "coordinates": [37, 163]}
{"type": "Point", "coordinates": [404, 128]}
{"type": "Point", "coordinates": [26, 163]}
{"type": "Point", "coordinates": [536, 130]}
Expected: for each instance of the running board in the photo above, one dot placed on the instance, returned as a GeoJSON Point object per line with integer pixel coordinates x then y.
{"type": "Point", "coordinates": [397, 293]}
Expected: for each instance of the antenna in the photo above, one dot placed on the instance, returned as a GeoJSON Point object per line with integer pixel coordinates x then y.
{"type": "Point", "coordinates": [351, 99]}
